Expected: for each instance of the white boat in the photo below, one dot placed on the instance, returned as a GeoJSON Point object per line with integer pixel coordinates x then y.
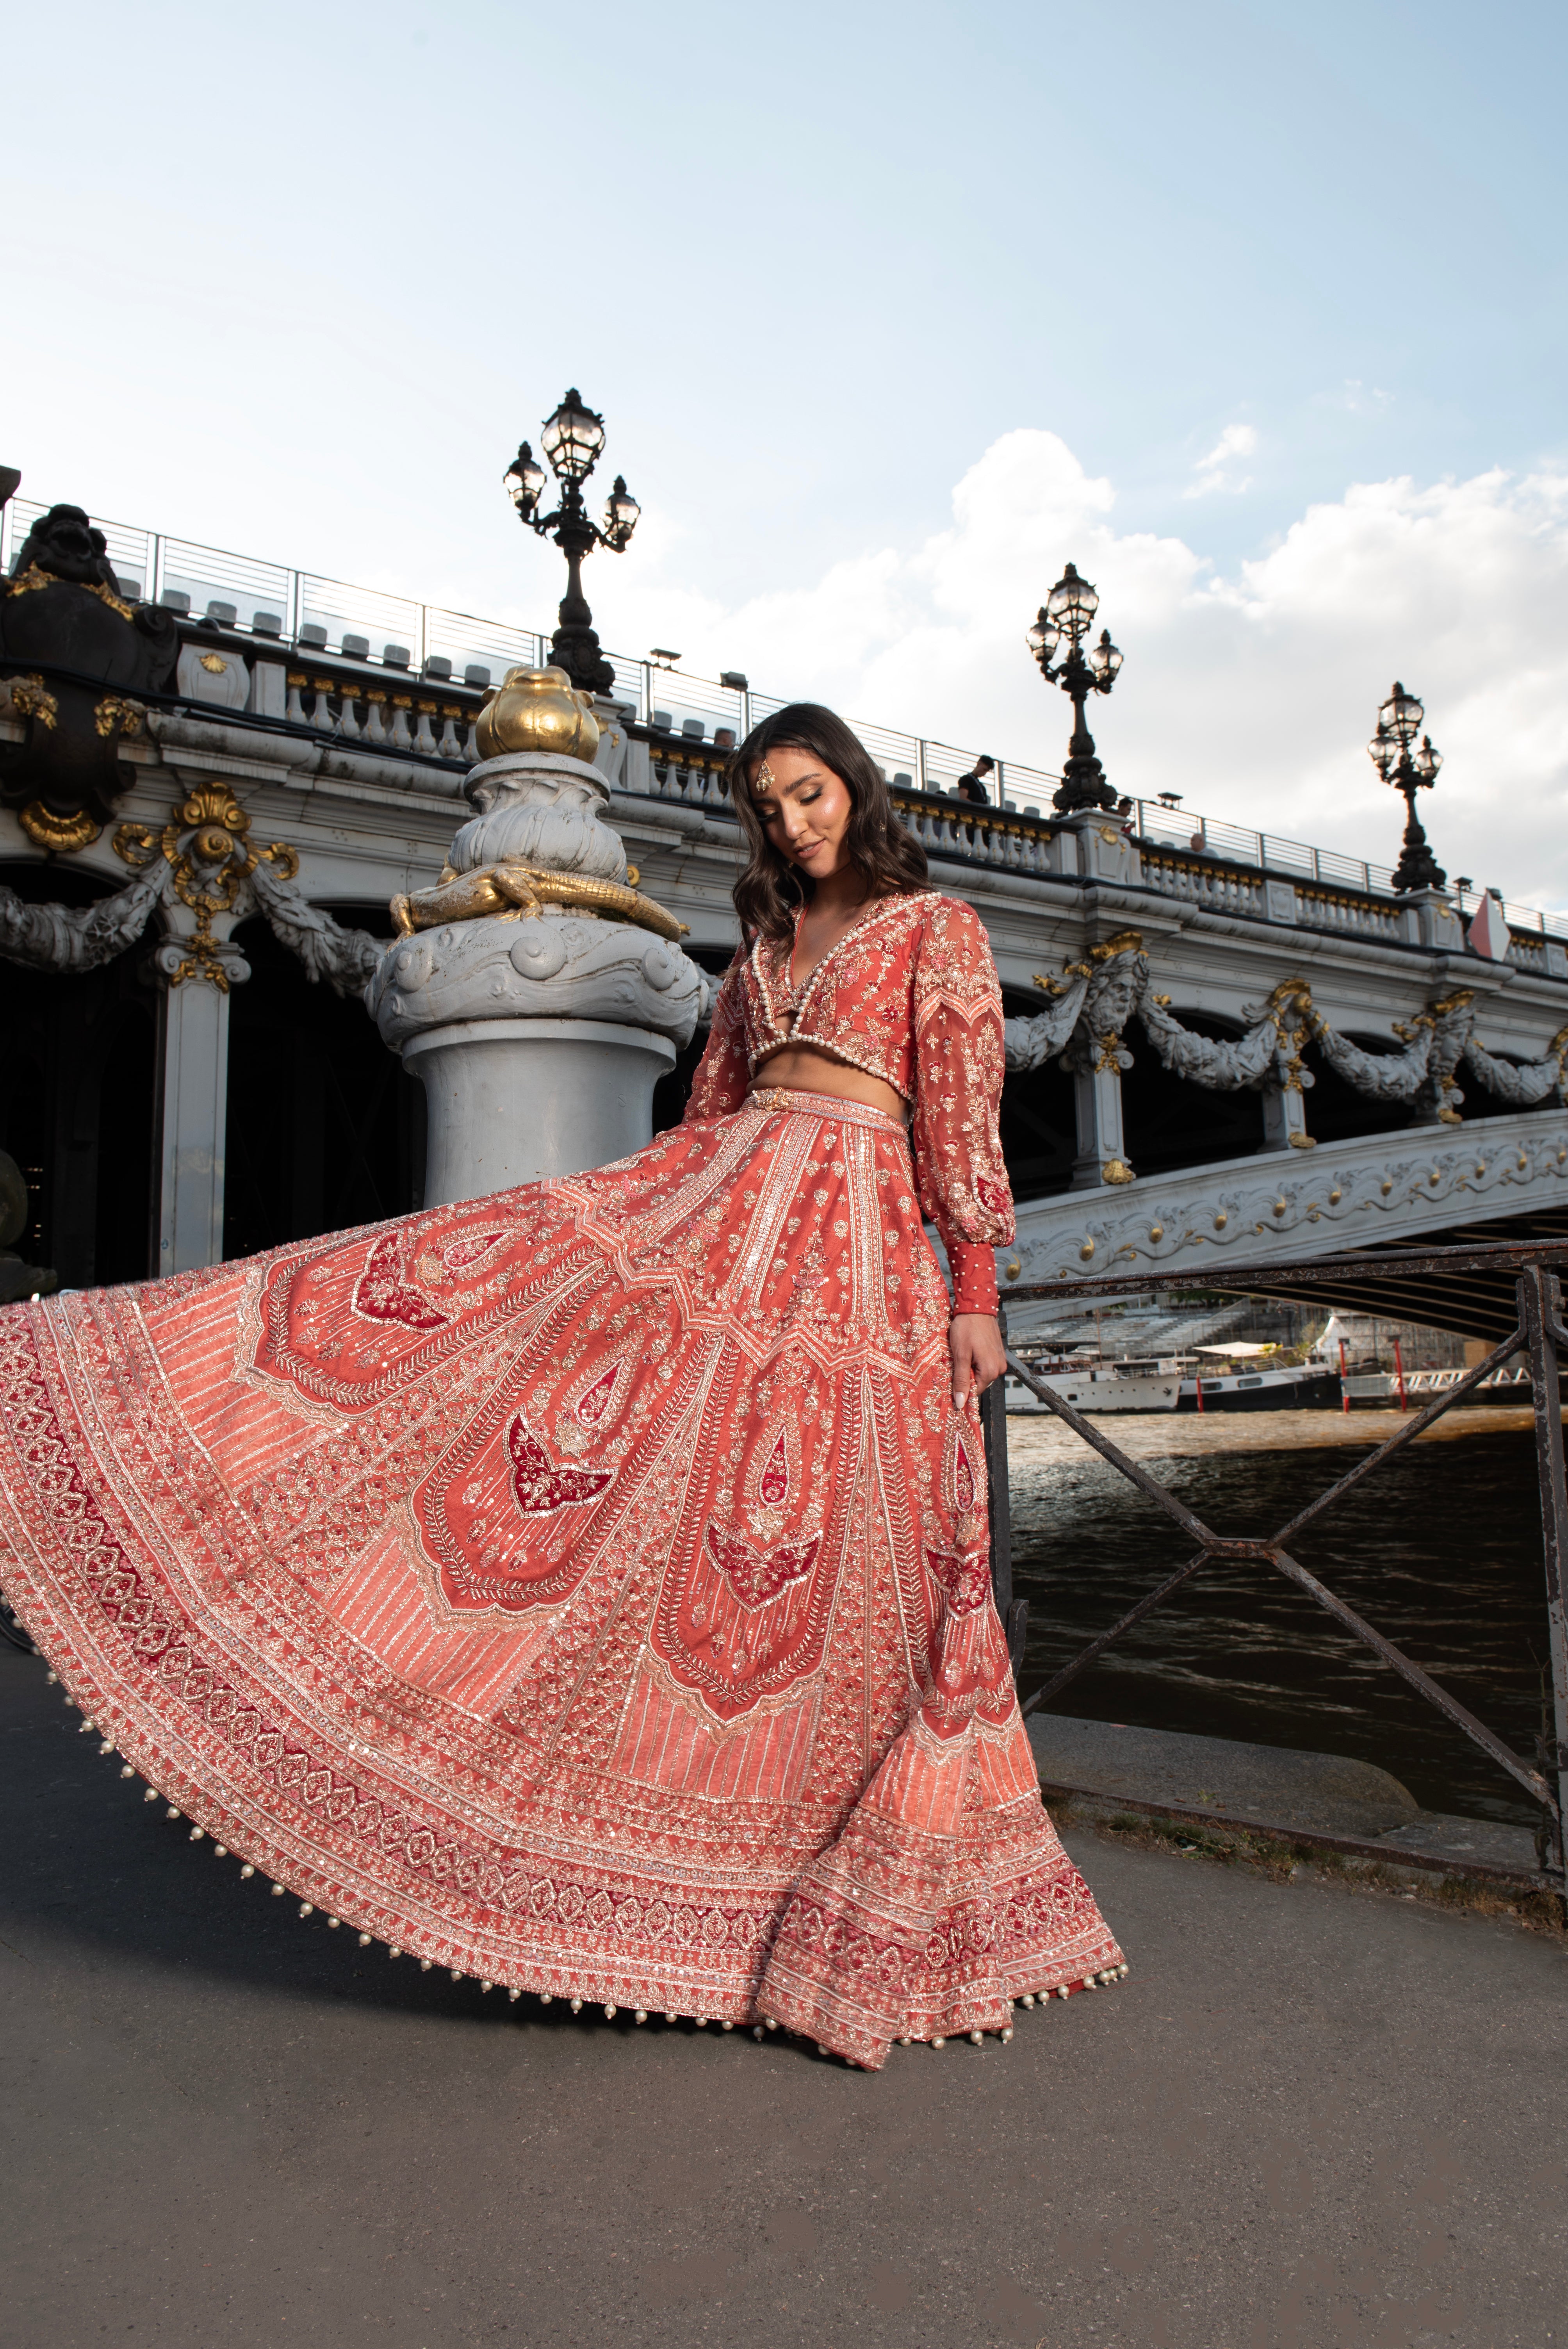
{"type": "Point", "coordinates": [1094, 1385]}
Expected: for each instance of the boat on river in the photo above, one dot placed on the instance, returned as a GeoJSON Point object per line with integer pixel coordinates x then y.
{"type": "Point", "coordinates": [1169, 1382]}
{"type": "Point", "coordinates": [1310, 1388]}
{"type": "Point", "coordinates": [1093, 1384]}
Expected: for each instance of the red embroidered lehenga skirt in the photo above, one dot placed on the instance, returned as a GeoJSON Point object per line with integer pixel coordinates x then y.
{"type": "Point", "coordinates": [583, 1586]}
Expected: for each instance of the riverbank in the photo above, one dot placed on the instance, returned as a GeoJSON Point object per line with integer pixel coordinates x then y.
{"type": "Point", "coordinates": [1153, 1435]}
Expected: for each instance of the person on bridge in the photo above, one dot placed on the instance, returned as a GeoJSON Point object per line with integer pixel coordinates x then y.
{"type": "Point", "coordinates": [586, 1586]}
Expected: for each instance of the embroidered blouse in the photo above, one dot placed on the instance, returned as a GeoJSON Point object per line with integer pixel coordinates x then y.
{"type": "Point", "coordinates": [910, 995]}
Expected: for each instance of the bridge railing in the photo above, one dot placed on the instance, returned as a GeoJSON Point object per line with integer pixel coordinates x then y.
{"type": "Point", "coordinates": [1532, 1272]}
{"type": "Point", "coordinates": [427, 652]}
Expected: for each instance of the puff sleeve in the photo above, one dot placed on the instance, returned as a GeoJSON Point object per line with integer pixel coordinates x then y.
{"type": "Point", "coordinates": [723, 1074]}
{"type": "Point", "coordinates": [958, 1064]}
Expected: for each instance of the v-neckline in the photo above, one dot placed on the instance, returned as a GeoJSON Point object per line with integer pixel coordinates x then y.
{"type": "Point", "coordinates": [797, 994]}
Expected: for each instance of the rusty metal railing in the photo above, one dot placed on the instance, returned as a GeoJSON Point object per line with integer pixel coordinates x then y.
{"type": "Point", "coordinates": [1538, 1333]}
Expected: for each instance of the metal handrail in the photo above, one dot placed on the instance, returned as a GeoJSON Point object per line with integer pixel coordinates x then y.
{"type": "Point", "coordinates": [1538, 1333]}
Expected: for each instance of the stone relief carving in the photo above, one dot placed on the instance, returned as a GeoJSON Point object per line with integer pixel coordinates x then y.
{"type": "Point", "coordinates": [347, 959]}
{"type": "Point", "coordinates": [1522, 1084]}
{"type": "Point", "coordinates": [1092, 1002]}
{"type": "Point", "coordinates": [516, 927]}
{"type": "Point", "coordinates": [71, 938]}
{"type": "Point", "coordinates": [1373, 1188]}
{"type": "Point", "coordinates": [209, 858]}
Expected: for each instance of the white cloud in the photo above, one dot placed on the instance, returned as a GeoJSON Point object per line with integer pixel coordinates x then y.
{"type": "Point", "coordinates": [1252, 692]}
{"type": "Point", "coordinates": [1215, 471]}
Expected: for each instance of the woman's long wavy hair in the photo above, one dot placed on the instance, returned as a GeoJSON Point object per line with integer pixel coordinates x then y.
{"type": "Point", "coordinates": [771, 889]}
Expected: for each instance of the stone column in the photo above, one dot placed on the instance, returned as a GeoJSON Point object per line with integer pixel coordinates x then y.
{"type": "Point", "coordinates": [541, 1015]}
{"type": "Point", "coordinates": [193, 1109]}
{"type": "Point", "coordinates": [1102, 1149]}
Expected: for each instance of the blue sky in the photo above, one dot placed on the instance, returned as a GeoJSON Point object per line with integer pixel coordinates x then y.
{"type": "Point", "coordinates": [295, 281]}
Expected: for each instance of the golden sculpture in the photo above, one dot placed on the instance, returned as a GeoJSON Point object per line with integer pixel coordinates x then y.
{"type": "Point", "coordinates": [31, 697]}
{"type": "Point", "coordinates": [62, 835]}
{"type": "Point", "coordinates": [206, 848]}
{"type": "Point", "coordinates": [516, 891]}
{"type": "Point", "coordinates": [537, 709]}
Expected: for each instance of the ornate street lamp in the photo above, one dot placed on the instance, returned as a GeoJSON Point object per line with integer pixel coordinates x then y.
{"type": "Point", "coordinates": [572, 439]}
{"type": "Point", "coordinates": [1410, 771]}
{"type": "Point", "coordinates": [1067, 612]}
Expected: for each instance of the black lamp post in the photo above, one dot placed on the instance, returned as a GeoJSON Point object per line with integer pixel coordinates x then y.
{"type": "Point", "coordinates": [1067, 612]}
{"type": "Point", "coordinates": [572, 438]}
{"type": "Point", "coordinates": [1410, 771]}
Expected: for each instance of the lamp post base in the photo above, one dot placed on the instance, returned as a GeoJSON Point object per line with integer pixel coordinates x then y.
{"type": "Point", "coordinates": [1083, 785]}
{"type": "Point", "coordinates": [575, 647]}
{"type": "Point", "coordinates": [1418, 868]}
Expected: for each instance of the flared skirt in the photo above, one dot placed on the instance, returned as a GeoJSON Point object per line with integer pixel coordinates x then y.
{"type": "Point", "coordinates": [585, 1586]}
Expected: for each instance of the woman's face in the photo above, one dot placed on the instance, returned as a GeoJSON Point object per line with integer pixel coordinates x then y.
{"type": "Point", "coordinates": [805, 810]}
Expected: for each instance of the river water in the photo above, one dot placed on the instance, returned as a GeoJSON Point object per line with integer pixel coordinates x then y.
{"type": "Point", "coordinates": [1439, 1550]}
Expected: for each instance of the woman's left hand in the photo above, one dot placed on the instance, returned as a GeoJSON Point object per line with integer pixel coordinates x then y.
{"type": "Point", "coordinates": [974, 1342]}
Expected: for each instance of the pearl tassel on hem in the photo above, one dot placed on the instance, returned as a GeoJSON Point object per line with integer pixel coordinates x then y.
{"type": "Point", "coordinates": [759, 2031]}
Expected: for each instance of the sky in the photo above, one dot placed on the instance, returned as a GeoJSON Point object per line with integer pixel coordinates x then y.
{"type": "Point", "coordinates": [1256, 313]}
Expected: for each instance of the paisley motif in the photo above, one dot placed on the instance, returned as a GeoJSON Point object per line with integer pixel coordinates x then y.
{"type": "Point", "coordinates": [774, 1486]}
{"type": "Point", "coordinates": [963, 1477]}
{"type": "Point", "coordinates": [757, 1576]}
{"type": "Point", "coordinates": [382, 1294]}
{"type": "Point", "coordinates": [461, 1255]}
{"type": "Point", "coordinates": [539, 1485]}
{"type": "Point", "coordinates": [596, 1399]}
{"type": "Point", "coordinates": [962, 1577]}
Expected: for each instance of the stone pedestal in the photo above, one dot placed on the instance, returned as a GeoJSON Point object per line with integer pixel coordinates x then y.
{"type": "Point", "coordinates": [1437, 921]}
{"type": "Point", "coordinates": [1092, 846]}
{"type": "Point", "coordinates": [1285, 1119]}
{"type": "Point", "coordinates": [512, 1100]}
{"type": "Point", "coordinates": [539, 1037]}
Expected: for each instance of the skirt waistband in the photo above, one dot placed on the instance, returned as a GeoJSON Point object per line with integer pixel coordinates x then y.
{"type": "Point", "coordinates": [774, 1098]}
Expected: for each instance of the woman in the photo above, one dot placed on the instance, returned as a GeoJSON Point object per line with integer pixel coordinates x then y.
{"type": "Point", "coordinates": [586, 1587]}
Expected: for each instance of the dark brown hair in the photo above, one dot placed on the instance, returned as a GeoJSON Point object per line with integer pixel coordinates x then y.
{"type": "Point", "coordinates": [889, 858]}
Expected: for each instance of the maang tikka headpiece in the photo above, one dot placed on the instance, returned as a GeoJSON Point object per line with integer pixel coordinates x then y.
{"type": "Point", "coordinates": [766, 779]}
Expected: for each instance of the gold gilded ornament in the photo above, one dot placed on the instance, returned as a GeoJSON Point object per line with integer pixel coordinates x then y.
{"type": "Point", "coordinates": [537, 709]}
{"type": "Point", "coordinates": [31, 697]}
{"type": "Point", "coordinates": [513, 892]}
{"type": "Point", "coordinates": [60, 834]}
{"type": "Point", "coordinates": [208, 855]}
{"type": "Point", "coordinates": [114, 711]}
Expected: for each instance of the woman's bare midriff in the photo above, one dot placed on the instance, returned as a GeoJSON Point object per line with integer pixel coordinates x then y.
{"type": "Point", "coordinates": [800, 1069]}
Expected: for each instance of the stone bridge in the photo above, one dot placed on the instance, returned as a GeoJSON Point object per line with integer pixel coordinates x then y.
{"type": "Point", "coordinates": [1212, 1059]}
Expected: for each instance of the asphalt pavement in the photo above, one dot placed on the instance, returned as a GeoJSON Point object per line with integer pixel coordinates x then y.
{"type": "Point", "coordinates": [1310, 2117]}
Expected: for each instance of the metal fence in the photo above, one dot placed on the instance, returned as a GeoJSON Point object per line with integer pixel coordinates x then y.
{"type": "Point", "coordinates": [308, 612]}
{"type": "Point", "coordinates": [1538, 1335]}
